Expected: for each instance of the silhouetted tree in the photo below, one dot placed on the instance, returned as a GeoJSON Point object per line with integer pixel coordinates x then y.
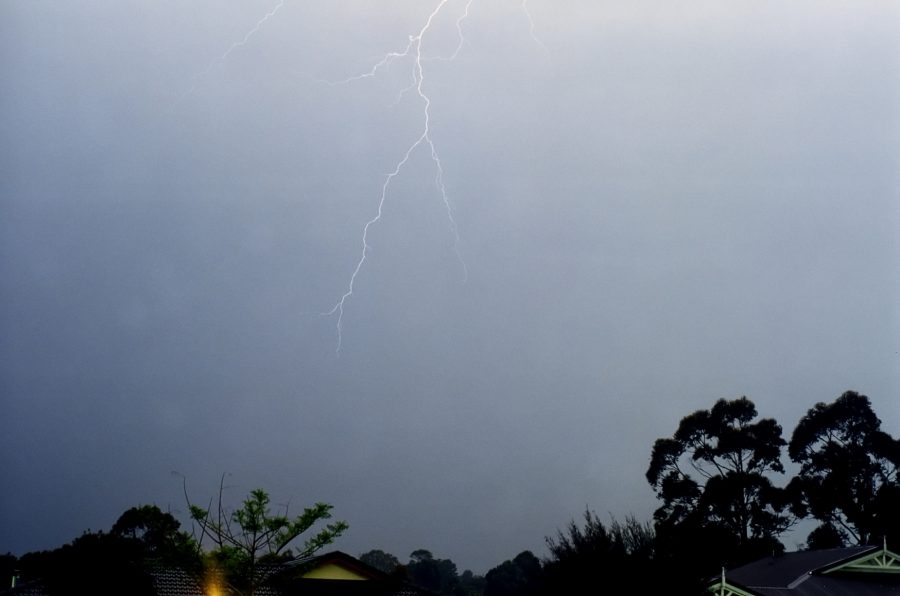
{"type": "Point", "coordinates": [521, 576]}
{"type": "Point", "coordinates": [826, 535]}
{"type": "Point", "coordinates": [117, 562]}
{"type": "Point", "coordinates": [713, 472]}
{"type": "Point", "coordinates": [586, 559]}
{"type": "Point", "coordinates": [848, 472]}
{"type": "Point", "coordinates": [437, 575]}
{"type": "Point", "coordinates": [159, 534]}
{"type": "Point", "coordinates": [591, 542]}
{"type": "Point", "coordinates": [470, 584]}
{"type": "Point", "coordinates": [381, 560]}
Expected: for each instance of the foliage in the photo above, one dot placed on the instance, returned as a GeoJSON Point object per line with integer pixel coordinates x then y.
{"type": "Point", "coordinates": [116, 562]}
{"type": "Point", "coordinates": [381, 560]}
{"type": "Point", "coordinates": [617, 553]}
{"type": "Point", "coordinates": [713, 475]}
{"type": "Point", "coordinates": [848, 472]}
{"type": "Point", "coordinates": [521, 576]}
{"type": "Point", "coordinates": [826, 535]}
{"type": "Point", "coordinates": [594, 541]}
{"type": "Point", "coordinates": [470, 584]}
{"type": "Point", "coordinates": [159, 534]}
{"type": "Point", "coordinates": [437, 575]}
{"type": "Point", "coordinates": [424, 570]}
{"type": "Point", "coordinates": [249, 540]}
{"type": "Point", "coordinates": [106, 562]}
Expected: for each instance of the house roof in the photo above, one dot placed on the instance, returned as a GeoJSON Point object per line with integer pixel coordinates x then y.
{"type": "Point", "coordinates": [175, 582]}
{"type": "Point", "coordinates": [853, 571]}
{"type": "Point", "coordinates": [783, 570]}
{"type": "Point", "coordinates": [299, 577]}
{"type": "Point", "coordinates": [341, 559]}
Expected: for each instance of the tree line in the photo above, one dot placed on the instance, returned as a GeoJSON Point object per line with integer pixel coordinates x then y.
{"type": "Point", "coordinates": [715, 475]}
{"type": "Point", "coordinates": [716, 478]}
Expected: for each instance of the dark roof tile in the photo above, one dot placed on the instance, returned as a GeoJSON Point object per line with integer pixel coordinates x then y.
{"type": "Point", "coordinates": [783, 571]}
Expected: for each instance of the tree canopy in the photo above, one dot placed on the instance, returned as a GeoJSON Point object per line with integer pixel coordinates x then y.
{"type": "Point", "coordinates": [848, 476]}
{"type": "Point", "coordinates": [114, 562]}
{"type": "Point", "coordinates": [713, 475]}
{"type": "Point", "coordinates": [381, 560]}
{"type": "Point", "coordinates": [159, 534]}
{"type": "Point", "coordinates": [520, 576]}
{"type": "Point", "coordinates": [580, 554]}
{"type": "Point", "coordinates": [437, 575]}
{"type": "Point", "coordinates": [252, 536]}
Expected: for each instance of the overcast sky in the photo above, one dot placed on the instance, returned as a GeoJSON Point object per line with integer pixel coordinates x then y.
{"type": "Point", "coordinates": [659, 204]}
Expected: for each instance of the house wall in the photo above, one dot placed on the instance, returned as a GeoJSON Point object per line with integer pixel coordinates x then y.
{"type": "Point", "coordinates": [332, 571]}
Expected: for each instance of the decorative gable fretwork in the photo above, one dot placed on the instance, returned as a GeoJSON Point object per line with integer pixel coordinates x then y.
{"type": "Point", "coordinates": [881, 561]}
{"type": "Point", "coordinates": [723, 588]}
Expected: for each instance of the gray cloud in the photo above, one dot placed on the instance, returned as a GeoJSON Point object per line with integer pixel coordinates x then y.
{"type": "Point", "coordinates": [676, 205]}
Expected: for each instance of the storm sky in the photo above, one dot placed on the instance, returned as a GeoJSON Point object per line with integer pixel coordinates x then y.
{"type": "Point", "coordinates": [659, 204]}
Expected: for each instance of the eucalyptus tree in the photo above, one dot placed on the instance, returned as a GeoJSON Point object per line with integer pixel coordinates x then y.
{"type": "Point", "coordinates": [713, 476]}
{"type": "Point", "coordinates": [848, 476]}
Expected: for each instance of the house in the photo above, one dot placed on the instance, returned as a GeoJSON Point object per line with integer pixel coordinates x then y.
{"type": "Point", "coordinates": [853, 571]}
{"type": "Point", "coordinates": [338, 574]}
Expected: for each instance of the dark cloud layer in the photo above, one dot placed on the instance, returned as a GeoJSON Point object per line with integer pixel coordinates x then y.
{"type": "Point", "coordinates": [669, 207]}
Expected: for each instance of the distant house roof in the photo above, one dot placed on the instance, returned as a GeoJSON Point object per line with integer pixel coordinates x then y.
{"type": "Point", "coordinates": [175, 582]}
{"type": "Point", "coordinates": [853, 571]}
{"type": "Point", "coordinates": [338, 574]}
{"type": "Point", "coordinates": [337, 565]}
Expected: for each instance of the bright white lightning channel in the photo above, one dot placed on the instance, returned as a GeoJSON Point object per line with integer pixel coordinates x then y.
{"type": "Point", "coordinates": [413, 50]}
{"type": "Point", "coordinates": [238, 44]}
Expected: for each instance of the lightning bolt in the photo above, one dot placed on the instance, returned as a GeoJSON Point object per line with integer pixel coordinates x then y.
{"type": "Point", "coordinates": [259, 25]}
{"type": "Point", "coordinates": [459, 33]}
{"type": "Point", "coordinates": [412, 50]}
{"type": "Point", "coordinates": [531, 32]}
{"type": "Point", "coordinates": [238, 44]}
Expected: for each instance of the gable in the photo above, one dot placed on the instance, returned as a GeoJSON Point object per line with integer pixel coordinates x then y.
{"type": "Point", "coordinates": [860, 570]}
{"type": "Point", "coordinates": [879, 561]}
{"type": "Point", "coordinates": [333, 570]}
{"type": "Point", "coordinates": [723, 588]}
